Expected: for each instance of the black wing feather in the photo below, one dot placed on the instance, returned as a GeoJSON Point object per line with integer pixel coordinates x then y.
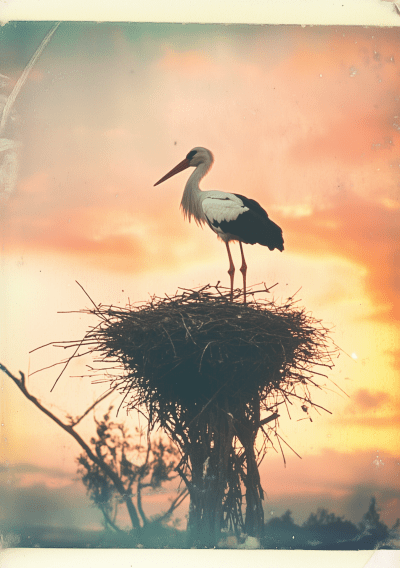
{"type": "Point", "coordinates": [253, 226]}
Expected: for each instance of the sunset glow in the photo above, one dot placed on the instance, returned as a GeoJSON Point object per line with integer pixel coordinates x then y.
{"type": "Point", "coordinates": [304, 120]}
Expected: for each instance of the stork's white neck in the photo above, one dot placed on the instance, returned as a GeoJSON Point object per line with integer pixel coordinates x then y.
{"type": "Point", "coordinates": [192, 195]}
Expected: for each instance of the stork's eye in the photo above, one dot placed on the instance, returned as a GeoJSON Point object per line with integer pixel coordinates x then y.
{"type": "Point", "coordinates": [191, 154]}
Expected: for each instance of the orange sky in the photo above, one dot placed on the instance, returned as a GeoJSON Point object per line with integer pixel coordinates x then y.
{"type": "Point", "coordinates": [305, 120]}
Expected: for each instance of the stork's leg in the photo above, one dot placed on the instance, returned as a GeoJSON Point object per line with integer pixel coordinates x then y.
{"type": "Point", "coordinates": [231, 270]}
{"type": "Point", "coordinates": [243, 270]}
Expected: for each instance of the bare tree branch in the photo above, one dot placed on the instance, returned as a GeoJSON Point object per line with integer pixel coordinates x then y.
{"type": "Point", "coordinates": [70, 430]}
{"type": "Point", "coordinates": [174, 504]}
{"type": "Point", "coordinates": [100, 399]}
{"type": "Point", "coordinates": [142, 474]}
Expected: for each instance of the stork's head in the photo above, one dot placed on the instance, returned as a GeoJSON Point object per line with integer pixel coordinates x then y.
{"type": "Point", "coordinates": [199, 156]}
{"type": "Point", "coordinates": [194, 158]}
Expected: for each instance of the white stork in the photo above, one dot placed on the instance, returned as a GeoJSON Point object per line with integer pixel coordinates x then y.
{"type": "Point", "coordinates": [232, 216]}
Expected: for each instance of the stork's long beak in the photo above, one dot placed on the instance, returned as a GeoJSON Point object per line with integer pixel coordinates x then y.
{"type": "Point", "coordinates": [181, 166]}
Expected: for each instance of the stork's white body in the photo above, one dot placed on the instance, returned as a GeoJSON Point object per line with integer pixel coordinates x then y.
{"type": "Point", "coordinates": [218, 206]}
{"type": "Point", "coordinates": [231, 216]}
{"type": "Point", "coordinates": [222, 207]}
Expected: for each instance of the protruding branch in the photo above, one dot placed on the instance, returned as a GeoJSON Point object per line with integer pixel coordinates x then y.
{"type": "Point", "coordinates": [70, 430]}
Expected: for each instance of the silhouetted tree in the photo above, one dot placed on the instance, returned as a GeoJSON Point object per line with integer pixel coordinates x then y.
{"type": "Point", "coordinates": [108, 467]}
{"type": "Point", "coordinates": [138, 466]}
{"type": "Point", "coordinates": [326, 531]}
{"type": "Point", "coordinates": [285, 520]}
{"type": "Point", "coordinates": [373, 530]}
{"type": "Point", "coordinates": [327, 526]}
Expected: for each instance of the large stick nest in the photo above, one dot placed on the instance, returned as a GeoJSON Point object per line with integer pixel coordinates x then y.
{"type": "Point", "coordinates": [205, 369]}
{"type": "Point", "coordinates": [178, 354]}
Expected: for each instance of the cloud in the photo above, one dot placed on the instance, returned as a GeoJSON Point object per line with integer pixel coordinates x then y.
{"type": "Point", "coordinates": [375, 411]}
{"type": "Point", "coordinates": [395, 358]}
{"type": "Point", "coordinates": [360, 230]}
{"type": "Point", "coordinates": [344, 90]}
{"type": "Point", "coordinates": [364, 399]}
{"type": "Point", "coordinates": [132, 240]}
{"type": "Point", "coordinates": [351, 140]}
{"type": "Point", "coordinates": [343, 483]}
{"type": "Point", "coordinates": [43, 496]}
{"type": "Point", "coordinates": [41, 505]}
{"type": "Point", "coordinates": [23, 468]}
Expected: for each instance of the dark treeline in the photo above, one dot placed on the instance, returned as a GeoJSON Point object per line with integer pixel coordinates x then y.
{"type": "Point", "coordinates": [321, 531]}
{"type": "Point", "coordinates": [326, 531]}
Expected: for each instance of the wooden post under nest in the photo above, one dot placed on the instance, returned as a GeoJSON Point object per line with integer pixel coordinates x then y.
{"type": "Point", "coordinates": [206, 370]}
{"type": "Point", "coordinates": [219, 453]}
{"type": "Point", "coordinates": [210, 456]}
